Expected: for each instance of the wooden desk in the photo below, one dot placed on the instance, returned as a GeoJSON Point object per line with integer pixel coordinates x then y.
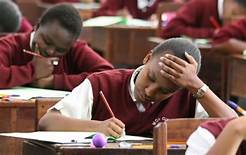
{"type": "Point", "coordinates": [174, 130]}
{"type": "Point", "coordinates": [237, 76]}
{"type": "Point", "coordinates": [38, 148]}
{"type": "Point", "coordinates": [119, 44]}
{"type": "Point", "coordinates": [17, 116]}
{"type": "Point", "coordinates": [214, 70]}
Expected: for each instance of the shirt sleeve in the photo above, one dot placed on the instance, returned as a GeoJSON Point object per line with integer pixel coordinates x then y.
{"type": "Point", "coordinates": [78, 104]}
{"type": "Point", "coordinates": [200, 111]}
{"type": "Point", "coordinates": [200, 142]}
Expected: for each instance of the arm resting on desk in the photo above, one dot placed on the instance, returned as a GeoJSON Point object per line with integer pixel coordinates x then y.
{"type": "Point", "coordinates": [55, 121]}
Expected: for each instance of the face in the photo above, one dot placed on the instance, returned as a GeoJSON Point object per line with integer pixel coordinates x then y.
{"type": "Point", "coordinates": [52, 40]}
{"type": "Point", "coordinates": [232, 11]}
{"type": "Point", "coordinates": [150, 86]}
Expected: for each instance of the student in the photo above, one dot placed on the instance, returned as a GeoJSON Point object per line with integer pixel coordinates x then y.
{"type": "Point", "coordinates": [160, 89]}
{"type": "Point", "coordinates": [201, 18]}
{"type": "Point", "coordinates": [11, 19]}
{"type": "Point", "coordinates": [220, 137]}
{"type": "Point", "coordinates": [231, 39]}
{"type": "Point", "coordinates": [55, 37]}
{"type": "Point", "coordinates": [142, 9]}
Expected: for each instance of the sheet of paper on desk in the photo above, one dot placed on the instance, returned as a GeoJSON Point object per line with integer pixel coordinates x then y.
{"type": "Point", "coordinates": [65, 137]}
{"type": "Point", "coordinates": [102, 21]}
{"type": "Point", "coordinates": [28, 93]}
{"type": "Point", "coordinates": [86, 6]}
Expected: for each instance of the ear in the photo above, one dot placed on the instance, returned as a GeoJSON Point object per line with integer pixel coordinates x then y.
{"type": "Point", "coordinates": [147, 57]}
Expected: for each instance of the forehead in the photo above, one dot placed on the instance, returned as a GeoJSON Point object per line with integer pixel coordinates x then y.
{"type": "Point", "coordinates": [154, 69]}
{"type": "Point", "coordinates": [56, 33]}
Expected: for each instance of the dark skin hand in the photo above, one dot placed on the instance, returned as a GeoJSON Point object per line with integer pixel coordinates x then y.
{"type": "Point", "coordinates": [43, 70]}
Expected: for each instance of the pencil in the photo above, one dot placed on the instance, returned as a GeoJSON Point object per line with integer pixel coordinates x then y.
{"type": "Point", "coordinates": [214, 22]}
{"type": "Point", "coordinates": [32, 53]}
{"type": "Point", "coordinates": [106, 103]}
{"type": "Point", "coordinates": [236, 107]}
{"type": "Point", "coordinates": [54, 62]}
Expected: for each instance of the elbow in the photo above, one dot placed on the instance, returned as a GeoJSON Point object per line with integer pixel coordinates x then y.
{"type": "Point", "coordinates": [43, 123]}
{"type": "Point", "coordinates": [47, 121]}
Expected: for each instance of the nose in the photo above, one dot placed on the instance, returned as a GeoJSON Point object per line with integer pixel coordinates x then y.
{"type": "Point", "coordinates": [151, 91]}
{"type": "Point", "coordinates": [51, 51]}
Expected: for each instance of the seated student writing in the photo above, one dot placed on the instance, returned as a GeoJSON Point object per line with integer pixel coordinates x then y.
{"type": "Point", "coordinates": [55, 39]}
{"type": "Point", "coordinates": [231, 39]}
{"type": "Point", "coordinates": [202, 18]}
{"type": "Point", "coordinates": [219, 137]}
{"type": "Point", "coordinates": [11, 20]}
{"type": "Point", "coordinates": [160, 89]}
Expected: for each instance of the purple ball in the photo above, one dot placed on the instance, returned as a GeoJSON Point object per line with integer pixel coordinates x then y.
{"type": "Point", "coordinates": [99, 140]}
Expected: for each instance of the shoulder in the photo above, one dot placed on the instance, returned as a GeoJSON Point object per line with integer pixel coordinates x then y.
{"type": "Point", "coordinates": [216, 126]}
{"type": "Point", "coordinates": [16, 38]}
{"type": "Point", "coordinates": [80, 43]}
{"type": "Point", "coordinates": [112, 74]}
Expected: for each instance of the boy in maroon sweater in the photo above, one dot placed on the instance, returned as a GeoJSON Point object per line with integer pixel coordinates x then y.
{"type": "Point", "coordinates": [142, 9]}
{"type": "Point", "coordinates": [220, 137]}
{"type": "Point", "coordinates": [55, 39]}
{"type": "Point", "coordinates": [160, 89]}
{"type": "Point", "coordinates": [201, 18]}
{"type": "Point", "coordinates": [231, 39]}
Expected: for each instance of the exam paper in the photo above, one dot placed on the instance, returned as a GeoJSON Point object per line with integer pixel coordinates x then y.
{"type": "Point", "coordinates": [65, 137]}
{"type": "Point", "coordinates": [28, 93]}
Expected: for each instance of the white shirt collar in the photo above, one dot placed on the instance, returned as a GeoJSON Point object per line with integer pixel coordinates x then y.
{"type": "Point", "coordinates": [220, 8]}
{"type": "Point", "coordinates": [139, 105]}
{"type": "Point", "coordinates": [31, 39]}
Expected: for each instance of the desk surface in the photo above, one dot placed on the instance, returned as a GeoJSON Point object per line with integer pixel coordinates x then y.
{"type": "Point", "coordinates": [38, 148]}
{"type": "Point", "coordinates": [17, 116]}
{"type": "Point", "coordinates": [237, 76]}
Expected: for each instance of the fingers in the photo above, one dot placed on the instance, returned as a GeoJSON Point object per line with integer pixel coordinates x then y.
{"type": "Point", "coordinates": [115, 127]}
{"type": "Point", "coordinates": [190, 58]}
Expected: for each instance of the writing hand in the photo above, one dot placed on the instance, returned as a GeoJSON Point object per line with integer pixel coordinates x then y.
{"type": "Point", "coordinates": [112, 127]}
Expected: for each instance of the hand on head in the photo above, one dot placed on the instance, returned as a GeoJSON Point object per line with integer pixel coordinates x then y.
{"type": "Point", "coordinates": [182, 73]}
{"type": "Point", "coordinates": [112, 127]}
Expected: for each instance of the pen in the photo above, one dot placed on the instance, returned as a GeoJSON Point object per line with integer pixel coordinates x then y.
{"type": "Point", "coordinates": [236, 107]}
{"type": "Point", "coordinates": [109, 109]}
{"type": "Point", "coordinates": [176, 146]}
{"type": "Point", "coordinates": [54, 62]}
{"type": "Point", "coordinates": [214, 22]}
{"type": "Point", "coordinates": [32, 53]}
{"type": "Point", "coordinates": [106, 103]}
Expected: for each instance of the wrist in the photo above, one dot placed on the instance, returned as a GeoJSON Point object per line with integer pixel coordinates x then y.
{"type": "Point", "coordinates": [195, 85]}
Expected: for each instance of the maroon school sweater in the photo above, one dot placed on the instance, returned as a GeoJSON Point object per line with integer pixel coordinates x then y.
{"type": "Point", "coordinates": [234, 30]}
{"type": "Point", "coordinates": [193, 19]}
{"type": "Point", "coordinates": [115, 86]}
{"type": "Point", "coordinates": [25, 26]}
{"type": "Point", "coordinates": [17, 69]}
{"type": "Point", "coordinates": [110, 8]}
{"type": "Point", "coordinates": [216, 127]}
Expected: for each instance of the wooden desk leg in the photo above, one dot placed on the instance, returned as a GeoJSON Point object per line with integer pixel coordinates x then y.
{"type": "Point", "coordinates": [160, 139]}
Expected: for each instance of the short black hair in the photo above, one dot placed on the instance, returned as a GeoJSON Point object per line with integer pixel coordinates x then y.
{"type": "Point", "coordinates": [10, 17]}
{"type": "Point", "coordinates": [241, 2]}
{"type": "Point", "coordinates": [67, 16]}
{"type": "Point", "coordinates": [178, 47]}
